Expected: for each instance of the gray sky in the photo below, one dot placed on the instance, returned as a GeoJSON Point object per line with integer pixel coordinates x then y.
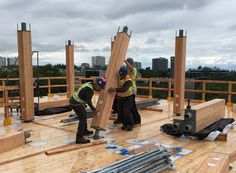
{"type": "Point", "coordinates": [90, 24]}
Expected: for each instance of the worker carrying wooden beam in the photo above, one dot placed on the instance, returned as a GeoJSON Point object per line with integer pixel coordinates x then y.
{"type": "Point", "coordinates": [78, 102]}
{"type": "Point", "coordinates": [124, 99]}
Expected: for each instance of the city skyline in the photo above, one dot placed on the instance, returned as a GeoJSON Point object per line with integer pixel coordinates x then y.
{"type": "Point", "coordinates": [210, 26]}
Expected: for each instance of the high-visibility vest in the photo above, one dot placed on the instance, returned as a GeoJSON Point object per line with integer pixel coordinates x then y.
{"type": "Point", "coordinates": [133, 75]}
{"type": "Point", "coordinates": [120, 84]}
{"type": "Point", "coordinates": [76, 93]}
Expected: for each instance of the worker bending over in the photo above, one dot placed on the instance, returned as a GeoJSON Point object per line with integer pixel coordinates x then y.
{"type": "Point", "coordinates": [124, 99]}
{"type": "Point", "coordinates": [78, 102]}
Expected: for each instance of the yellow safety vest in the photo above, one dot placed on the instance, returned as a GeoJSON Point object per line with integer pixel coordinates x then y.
{"type": "Point", "coordinates": [120, 84]}
{"type": "Point", "coordinates": [76, 93]}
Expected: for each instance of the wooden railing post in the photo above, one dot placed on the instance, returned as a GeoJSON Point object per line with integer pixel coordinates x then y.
{"type": "Point", "coordinates": [229, 103]}
{"type": "Point", "coordinates": [203, 91]}
{"type": "Point", "coordinates": [150, 89]}
{"type": "Point", "coordinates": [169, 90]}
{"type": "Point", "coordinates": [49, 87]}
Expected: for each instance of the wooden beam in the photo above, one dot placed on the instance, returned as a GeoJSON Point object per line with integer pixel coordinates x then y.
{"type": "Point", "coordinates": [209, 112]}
{"type": "Point", "coordinates": [70, 74]}
{"type": "Point", "coordinates": [12, 140]}
{"type": "Point", "coordinates": [215, 163]}
{"type": "Point", "coordinates": [52, 103]}
{"type": "Point", "coordinates": [71, 147]}
{"type": "Point", "coordinates": [26, 73]}
{"type": "Point", "coordinates": [179, 75]}
{"type": "Point", "coordinates": [105, 100]}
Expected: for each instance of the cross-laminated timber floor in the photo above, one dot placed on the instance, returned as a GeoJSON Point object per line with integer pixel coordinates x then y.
{"type": "Point", "coordinates": [48, 133]}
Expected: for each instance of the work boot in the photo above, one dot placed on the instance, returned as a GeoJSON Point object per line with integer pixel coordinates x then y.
{"type": "Point", "coordinates": [88, 132]}
{"type": "Point", "coordinates": [130, 128]}
{"type": "Point", "coordinates": [82, 140]}
{"type": "Point", "coordinates": [116, 121]}
{"type": "Point", "coordinates": [123, 127]}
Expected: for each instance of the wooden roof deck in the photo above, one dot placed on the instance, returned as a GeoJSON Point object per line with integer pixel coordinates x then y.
{"type": "Point", "coordinates": [51, 134]}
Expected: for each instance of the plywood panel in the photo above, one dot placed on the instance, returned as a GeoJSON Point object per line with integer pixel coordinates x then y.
{"type": "Point", "coordinates": [215, 163]}
{"type": "Point", "coordinates": [26, 74]}
{"type": "Point", "coordinates": [70, 74]}
{"type": "Point", "coordinates": [179, 75]}
{"type": "Point", "coordinates": [105, 101]}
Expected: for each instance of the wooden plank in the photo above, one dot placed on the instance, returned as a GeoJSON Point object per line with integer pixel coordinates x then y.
{"type": "Point", "coordinates": [221, 137]}
{"type": "Point", "coordinates": [26, 74]}
{"type": "Point", "coordinates": [70, 74]}
{"type": "Point", "coordinates": [215, 163]}
{"type": "Point", "coordinates": [105, 101]}
{"type": "Point", "coordinates": [11, 140]}
{"type": "Point", "coordinates": [179, 75]}
{"type": "Point", "coordinates": [209, 112]}
{"type": "Point", "coordinates": [72, 147]}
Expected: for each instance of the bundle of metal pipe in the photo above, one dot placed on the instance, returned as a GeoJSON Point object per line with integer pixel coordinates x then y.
{"type": "Point", "coordinates": [148, 162]}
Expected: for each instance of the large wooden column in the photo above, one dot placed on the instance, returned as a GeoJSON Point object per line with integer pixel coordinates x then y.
{"type": "Point", "coordinates": [70, 72]}
{"type": "Point", "coordinates": [105, 101]}
{"type": "Point", "coordinates": [179, 74]}
{"type": "Point", "coordinates": [26, 73]}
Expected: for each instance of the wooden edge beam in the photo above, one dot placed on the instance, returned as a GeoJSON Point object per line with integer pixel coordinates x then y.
{"type": "Point", "coordinates": [71, 147]}
{"type": "Point", "coordinates": [153, 109]}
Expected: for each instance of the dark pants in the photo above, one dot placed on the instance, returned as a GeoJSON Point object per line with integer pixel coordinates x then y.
{"type": "Point", "coordinates": [114, 106]}
{"type": "Point", "coordinates": [135, 113]}
{"type": "Point", "coordinates": [124, 107]}
{"type": "Point", "coordinates": [82, 115]}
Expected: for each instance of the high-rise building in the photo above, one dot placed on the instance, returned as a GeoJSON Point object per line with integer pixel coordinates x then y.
{"type": "Point", "coordinates": [160, 64]}
{"type": "Point", "coordinates": [12, 61]}
{"type": "Point", "coordinates": [138, 65]}
{"type": "Point", "coordinates": [2, 61]}
{"type": "Point", "coordinates": [172, 66]}
{"type": "Point", "coordinates": [98, 61]}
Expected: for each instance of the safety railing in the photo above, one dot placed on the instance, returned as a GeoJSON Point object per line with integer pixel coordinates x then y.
{"type": "Point", "coordinates": [146, 87]}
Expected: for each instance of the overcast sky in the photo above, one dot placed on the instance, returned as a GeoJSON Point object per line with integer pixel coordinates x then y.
{"type": "Point", "coordinates": [90, 24]}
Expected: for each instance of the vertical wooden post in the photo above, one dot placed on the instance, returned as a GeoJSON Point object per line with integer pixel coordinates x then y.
{"type": "Point", "coordinates": [169, 90]}
{"type": "Point", "coordinates": [150, 89]}
{"type": "Point", "coordinates": [229, 103]}
{"type": "Point", "coordinates": [26, 73]}
{"type": "Point", "coordinates": [49, 87]}
{"type": "Point", "coordinates": [7, 119]}
{"type": "Point", "coordinates": [203, 91]}
{"type": "Point", "coordinates": [179, 77]}
{"type": "Point", "coordinates": [70, 72]}
{"type": "Point", "coordinates": [105, 100]}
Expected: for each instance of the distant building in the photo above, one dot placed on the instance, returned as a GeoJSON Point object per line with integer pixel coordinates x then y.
{"type": "Point", "coordinates": [12, 61]}
{"type": "Point", "coordinates": [160, 64]}
{"type": "Point", "coordinates": [138, 65]}
{"type": "Point", "coordinates": [98, 61]}
{"type": "Point", "coordinates": [172, 65]}
{"type": "Point", "coordinates": [2, 61]}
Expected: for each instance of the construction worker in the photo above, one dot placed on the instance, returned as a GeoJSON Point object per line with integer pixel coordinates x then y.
{"type": "Point", "coordinates": [124, 99]}
{"type": "Point", "coordinates": [78, 102]}
{"type": "Point", "coordinates": [133, 74]}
